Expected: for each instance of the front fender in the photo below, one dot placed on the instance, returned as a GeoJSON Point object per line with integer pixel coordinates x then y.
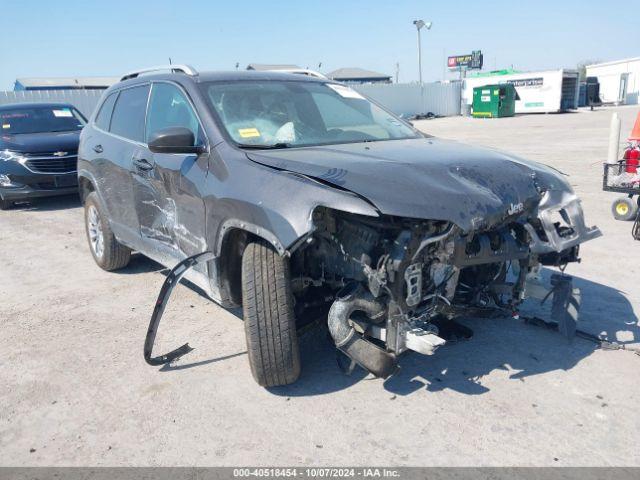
{"type": "Point", "coordinates": [278, 207]}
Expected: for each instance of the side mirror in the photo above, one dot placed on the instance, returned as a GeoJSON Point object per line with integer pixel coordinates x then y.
{"type": "Point", "coordinates": [174, 140]}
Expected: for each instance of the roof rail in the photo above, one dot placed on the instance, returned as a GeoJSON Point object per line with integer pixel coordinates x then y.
{"type": "Point", "coordinates": [186, 69]}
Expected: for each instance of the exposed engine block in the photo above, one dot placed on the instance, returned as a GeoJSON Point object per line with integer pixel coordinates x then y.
{"type": "Point", "coordinates": [407, 272]}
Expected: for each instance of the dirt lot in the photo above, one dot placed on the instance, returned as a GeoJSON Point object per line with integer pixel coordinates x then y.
{"type": "Point", "coordinates": [76, 391]}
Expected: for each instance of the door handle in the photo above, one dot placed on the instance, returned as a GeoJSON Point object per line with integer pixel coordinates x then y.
{"type": "Point", "coordinates": [98, 149]}
{"type": "Point", "coordinates": [142, 164]}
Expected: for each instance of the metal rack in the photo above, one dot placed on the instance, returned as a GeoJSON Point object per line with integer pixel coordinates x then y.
{"type": "Point", "coordinates": [615, 170]}
{"type": "Point", "coordinates": [629, 185]}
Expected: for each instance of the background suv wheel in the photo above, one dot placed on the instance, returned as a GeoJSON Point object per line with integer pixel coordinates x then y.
{"type": "Point", "coordinates": [108, 253]}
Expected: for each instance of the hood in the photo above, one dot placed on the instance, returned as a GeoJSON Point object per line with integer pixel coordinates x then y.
{"type": "Point", "coordinates": [41, 142]}
{"type": "Point", "coordinates": [426, 178]}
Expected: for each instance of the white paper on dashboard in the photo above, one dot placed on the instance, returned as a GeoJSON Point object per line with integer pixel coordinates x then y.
{"type": "Point", "coordinates": [62, 113]}
{"type": "Point", "coordinates": [344, 91]}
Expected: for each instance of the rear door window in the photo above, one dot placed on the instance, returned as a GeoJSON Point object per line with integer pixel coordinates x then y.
{"type": "Point", "coordinates": [128, 115]}
{"type": "Point", "coordinates": [103, 119]}
{"type": "Point", "coordinates": [169, 107]}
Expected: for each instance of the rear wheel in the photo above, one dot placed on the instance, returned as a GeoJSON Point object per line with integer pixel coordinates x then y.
{"type": "Point", "coordinates": [5, 204]}
{"type": "Point", "coordinates": [269, 320]}
{"type": "Point", "coordinates": [108, 253]}
{"type": "Point", "coordinates": [624, 208]}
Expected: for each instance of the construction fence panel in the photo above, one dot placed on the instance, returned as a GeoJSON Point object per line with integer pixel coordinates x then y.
{"type": "Point", "coordinates": [409, 99]}
{"type": "Point", "coordinates": [83, 100]}
{"type": "Point", "coordinates": [404, 99]}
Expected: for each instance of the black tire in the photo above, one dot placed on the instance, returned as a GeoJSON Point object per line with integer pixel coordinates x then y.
{"type": "Point", "coordinates": [624, 208]}
{"type": "Point", "coordinates": [5, 204]}
{"type": "Point", "coordinates": [114, 255]}
{"type": "Point", "coordinates": [269, 321]}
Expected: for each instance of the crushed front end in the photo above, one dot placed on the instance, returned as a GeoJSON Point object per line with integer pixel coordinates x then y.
{"type": "Point", "coordinates": [392, 283]}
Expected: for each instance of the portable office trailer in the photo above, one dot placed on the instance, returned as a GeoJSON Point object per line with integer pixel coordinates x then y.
{"type": "Point", "coordinates": [619, 80]}
{"type": "Point", "coordinates": [538, 92]}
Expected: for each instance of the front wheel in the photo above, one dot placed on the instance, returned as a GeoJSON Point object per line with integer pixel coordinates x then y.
{"type": "Point", "coordinates": [624, 208]}
{"type": "Point", "coordinates": [269, 321]}
{"type": "Point", "coordinates": [108, 253]}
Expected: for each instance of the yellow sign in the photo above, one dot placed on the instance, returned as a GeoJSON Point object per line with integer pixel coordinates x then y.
{"type": "Point", "coordinates": [248, 132]}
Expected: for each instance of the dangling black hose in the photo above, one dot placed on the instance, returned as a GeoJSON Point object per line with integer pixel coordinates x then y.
{"type": "Point", "coordinates": [350, 299]}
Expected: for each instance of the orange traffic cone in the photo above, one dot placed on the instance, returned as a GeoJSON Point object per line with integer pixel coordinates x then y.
{"type": "Point", "coordinates": [635, 133]}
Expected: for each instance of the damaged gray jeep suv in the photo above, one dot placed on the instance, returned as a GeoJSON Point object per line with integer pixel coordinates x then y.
{"type": "Point", "coordinates": [314, 202]}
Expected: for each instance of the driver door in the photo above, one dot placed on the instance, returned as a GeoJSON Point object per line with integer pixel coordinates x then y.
{"type": "Point", "coordinates": [169, 207]}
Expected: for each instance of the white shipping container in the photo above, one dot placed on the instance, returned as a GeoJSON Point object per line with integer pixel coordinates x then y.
{"type": "Point", "coordinates": [619, 80]}
{"type": "Point", "coordinates": [538, 92]}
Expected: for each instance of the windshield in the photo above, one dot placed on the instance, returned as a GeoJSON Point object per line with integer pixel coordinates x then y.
{"type": "Point", "coordinates": [279, 114]}
{"type": "Point", "coordinates": [40, 119]}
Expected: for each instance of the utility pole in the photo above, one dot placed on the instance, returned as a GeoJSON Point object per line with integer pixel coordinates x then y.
{"type": "Point", "coordinates": [419, 25]}
{"type": "Point", "coordinates": [397, 71]}
{"type": "Point", "coordinates": [419, 57]}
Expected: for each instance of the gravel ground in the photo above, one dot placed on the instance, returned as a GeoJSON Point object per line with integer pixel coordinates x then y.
{"type": "Point", "coordinates": [76, 390]}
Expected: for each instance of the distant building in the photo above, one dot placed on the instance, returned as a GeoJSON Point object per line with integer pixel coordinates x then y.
{"type": "Point", "coordinates": [266, 66]}
{"type": "Point", "coordinates": [70, 83]}
{"type": "Point", "coordinates": [619, 80]}
{"type": "Point", "coordinates": [358, 75]}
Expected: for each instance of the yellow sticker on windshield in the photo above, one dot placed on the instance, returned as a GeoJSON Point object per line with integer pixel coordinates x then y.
{"type": "Point", "coordinates": [248, 132]}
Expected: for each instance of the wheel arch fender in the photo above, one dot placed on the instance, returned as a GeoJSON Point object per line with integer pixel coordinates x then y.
{"type": "Point", "coordinates": [233, 238]}
{"type": "Point", "coordinates": [87, 183]}
{"type": "Point", "coordinates": [234, 235]}
{"type": "Point", "coordinates": [232, 225]}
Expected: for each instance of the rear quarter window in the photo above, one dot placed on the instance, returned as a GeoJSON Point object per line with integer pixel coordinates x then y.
{"type": "Point", "coordinates": [129, 113]}
{"type": "Point", "coordinates": [103, 119]}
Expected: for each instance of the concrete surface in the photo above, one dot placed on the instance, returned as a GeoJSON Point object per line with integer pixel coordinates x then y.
{"type": "Point", "coordinates": [76, 391]}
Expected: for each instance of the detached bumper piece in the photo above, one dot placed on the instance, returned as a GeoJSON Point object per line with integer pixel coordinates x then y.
{"type": "Point", "coordinates": [562, 222]}
{"type": "Point", "coordinates": [163, 298]}
{"type": "Point", "coordinates": [565, 308]}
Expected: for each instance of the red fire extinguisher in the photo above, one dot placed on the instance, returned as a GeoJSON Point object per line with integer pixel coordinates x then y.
{"type": "Point", "coordinates": [632, 159]}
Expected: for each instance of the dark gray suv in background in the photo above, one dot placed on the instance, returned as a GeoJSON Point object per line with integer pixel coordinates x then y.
{"type": "Point", "coordinates": [38, 151]}
{"type": "Point", "coordinates": [315, 200]}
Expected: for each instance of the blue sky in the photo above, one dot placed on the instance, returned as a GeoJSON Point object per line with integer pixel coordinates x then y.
{"type": "Point", "coordinates": [100, 37]}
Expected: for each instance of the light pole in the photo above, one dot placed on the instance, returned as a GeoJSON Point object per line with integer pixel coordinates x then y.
{"type": "Point", "coordinates": [419, 25]}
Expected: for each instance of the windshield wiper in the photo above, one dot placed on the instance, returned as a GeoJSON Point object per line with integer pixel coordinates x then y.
{"type": "Point", "coordinates": [265, 147]}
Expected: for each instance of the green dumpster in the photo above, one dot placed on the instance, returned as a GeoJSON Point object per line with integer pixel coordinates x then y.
{"type": "Point", "coordinates": [493, 101]}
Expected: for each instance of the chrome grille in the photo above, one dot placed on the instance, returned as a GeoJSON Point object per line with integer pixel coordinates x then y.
{"type": "Point", "coordinates": [40, 163]}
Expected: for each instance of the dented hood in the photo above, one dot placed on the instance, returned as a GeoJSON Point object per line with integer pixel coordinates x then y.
{"type": "Point", "coordinates": [424, 178]}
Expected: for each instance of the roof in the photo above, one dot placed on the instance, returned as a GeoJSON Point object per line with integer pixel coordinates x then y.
{"type": "Point", "coordinates": [614, 62]}
{"type": "Point", "coordinates": [74, 82]}
{"type": "Point", "coordinates": [352, 73]}
{"type": "Point", "coordinates": [495, 73]}
{"type": "Point", "coordinates": [240, 75]}
{"type": "Point", "coordinates": [229, 76]}
{"type": "Point", "coordinates": [268, 66]}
